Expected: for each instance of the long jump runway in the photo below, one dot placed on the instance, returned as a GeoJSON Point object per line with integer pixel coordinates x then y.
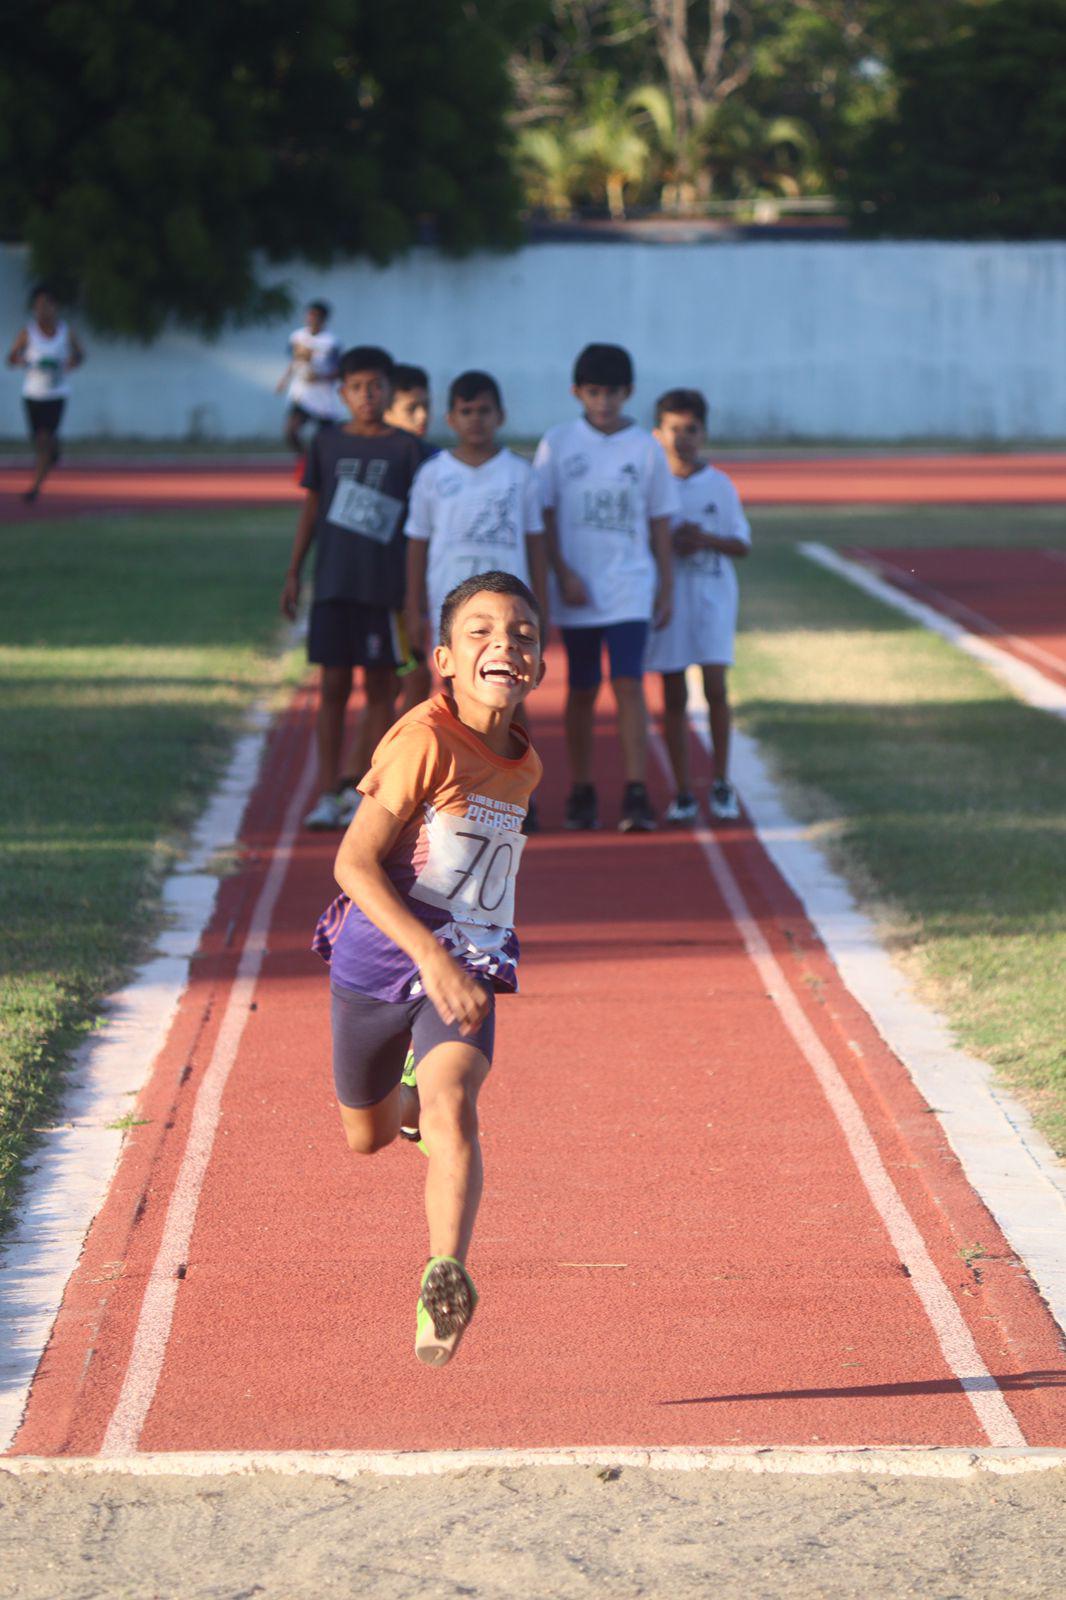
{"type": "Point", "coordinates": [717, 1211]}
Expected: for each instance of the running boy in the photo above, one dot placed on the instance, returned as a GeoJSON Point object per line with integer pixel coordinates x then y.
{"type": "Point", "coordinates": [473, 507]}
{"type": "Point", "coordinates": [47, 350]}
{"type": "Point", "coordinates": [311, 376]}
{"type": "Point", "coordinates": [710, 532]}
{"type": "Point", "coordinates": [409, 407]}
{"type": "Point", "coordinates": [358, 478]}
{"type": "Point", "coordinates": [608, 498]}
{"type": "Point", "coordinates": [422, 937]}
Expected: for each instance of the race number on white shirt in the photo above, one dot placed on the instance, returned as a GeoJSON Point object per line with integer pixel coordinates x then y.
{"type": "Point", "coordinates": [472, 864]}
{"type": "Point", "coordinates": [475, 519]}
{"type": "Point", "coordinates": [603, 488]}
{"type": "Point", "coordinates": [702, 627]}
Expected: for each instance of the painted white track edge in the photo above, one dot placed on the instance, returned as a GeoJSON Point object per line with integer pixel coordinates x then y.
{"type": "Point", "coordinates": [1025, 681]}
{"type": "Point", "coordinates": [71, 1170]}
{"type": "Point", "coordinates": [157, 1307]}
{"type": "Point", "coordinates": [799, 1460]}
{"type": "Point", "coordinates": [945, 1319]}
{"type": "Point", "coordinates": [1007, 1160]}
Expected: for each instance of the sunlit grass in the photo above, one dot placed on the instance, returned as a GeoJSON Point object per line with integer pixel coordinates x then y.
{"type": "Point", "coordinates": [131, 651]}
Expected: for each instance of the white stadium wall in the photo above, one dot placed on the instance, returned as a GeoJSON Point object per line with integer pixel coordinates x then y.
{"type": "Point", "coordinates": [821, 340]}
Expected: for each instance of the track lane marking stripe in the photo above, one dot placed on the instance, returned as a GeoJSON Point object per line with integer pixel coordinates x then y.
{"type": "Point", "coordinates": [949, 1327]}
{"type": "Point", "coordinates": [157, 1308]}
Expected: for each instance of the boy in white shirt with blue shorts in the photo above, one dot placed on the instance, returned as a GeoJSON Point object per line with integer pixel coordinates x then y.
{"type": "Point", "coordinates": [709, 534]}
{"type": "Point", "coordinates": [608, 498]}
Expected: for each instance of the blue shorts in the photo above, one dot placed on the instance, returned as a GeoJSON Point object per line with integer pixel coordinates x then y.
{"type": "Point", "coordinates": [625, 641]}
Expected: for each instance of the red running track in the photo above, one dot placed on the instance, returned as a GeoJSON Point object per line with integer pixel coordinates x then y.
{"type": "Point", "coordinates": [676, 1247]}
{"type": "Point", "coordinates": [816, 480]}
{"type": "Point", "coordinates": [1016, 598]}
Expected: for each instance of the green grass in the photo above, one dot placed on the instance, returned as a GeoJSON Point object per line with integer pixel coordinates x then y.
{"type": "Point", "coordinates": [937, 794]}
{"type": "Point", "coordinates": [131, 650]}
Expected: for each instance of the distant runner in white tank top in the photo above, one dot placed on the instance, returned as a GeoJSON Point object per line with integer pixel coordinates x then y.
{"type": "Point", "coordinates": [47, 350]}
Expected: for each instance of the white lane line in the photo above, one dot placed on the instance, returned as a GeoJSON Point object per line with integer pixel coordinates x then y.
{"type": "Point", "coordinates": [979, 624]}
{"type": "Point", "coordinates": [952, 1334]}
{"type": "Point", "coordinates": [913, 1461]}
{"type": "Point", "coordinates": [157, 1308]}
{"type": "Point", "coordinates": [1029, 684]}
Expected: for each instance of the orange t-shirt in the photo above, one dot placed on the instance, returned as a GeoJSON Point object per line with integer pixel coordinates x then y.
{"type": "Point", "coordinates": [455, 860]}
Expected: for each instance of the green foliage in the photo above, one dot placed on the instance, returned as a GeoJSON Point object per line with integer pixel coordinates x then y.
{"type": "Point", "coordinates": [976, 142]}
{"type": "Point", "coordinates": [152, 152]}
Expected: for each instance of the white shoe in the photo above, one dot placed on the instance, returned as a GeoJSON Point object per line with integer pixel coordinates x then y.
{"type": "Point", "coordinates": [682, 808]}
{"type": "Point", "coordinates": [724, 803]}
{"type": "Point", "coordinates": [348, 799]}
{"type": "Point", "coordinates": [326, 813]}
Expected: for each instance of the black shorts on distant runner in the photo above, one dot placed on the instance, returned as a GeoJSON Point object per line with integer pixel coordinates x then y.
{"type": "Point", "coordinates": [370, 1040]}
{"type": "Point", "coordinates": [43, 416]}
{"type": "Point", "coordinates": [346, 633]}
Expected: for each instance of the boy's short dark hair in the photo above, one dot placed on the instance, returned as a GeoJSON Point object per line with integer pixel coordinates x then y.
{"type": "Point", "coordinates": [681, 403]}
{"type": "Point", "coordinates": [367, 358]}
{"type": "Point", "coordinates": [323, 307]}
{"type": "Point", "coordinates": [485, 583]}
{"type": "Point", "coordinates": [607, 365]}
{"type": "Point", "coordinates": [37, 291]}
{"type": "Point", "coordinates": [468, 385]}
{"type": "Point", "coordinates": [405, 377]}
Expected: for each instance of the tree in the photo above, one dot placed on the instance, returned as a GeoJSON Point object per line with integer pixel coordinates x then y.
{"type": "Point", "coordinates": [154, 153]}
{"type": "Point", "coordinates": [975, 144]}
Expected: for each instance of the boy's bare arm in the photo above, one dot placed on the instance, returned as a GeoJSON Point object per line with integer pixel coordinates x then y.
{"type": "Point", "coordinates": [305, 532]}
{"type": "Point", "coordinates": [283, 381]}
{"type": "Point", "coordinates": [688, 538]}
{"type": "Point", "coordinates": [17, 354]}
{"type": "Point", "coordinates": [661, 549]}
{"type": "Point", "coordinates": [77, 352]}
{"type": "Point", "coordinates": [571, 586]}
{"type": "Point", "coordinates": [537, 557]}
{"type": "Point", "coordinates": [416, 605]}
{"type": "Point", "coordinates": [456, 995]}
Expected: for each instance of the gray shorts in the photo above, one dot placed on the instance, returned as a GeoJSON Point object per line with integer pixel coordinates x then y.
{"type": "Point", "coordinates": [370, 1040]}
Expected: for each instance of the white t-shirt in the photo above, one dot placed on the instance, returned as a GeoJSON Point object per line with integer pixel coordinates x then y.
{"type": "Point", "coordinates": [603, 488]}
{"type": "Point", "coordinates": [704, 619]}
{"type": "Point", "coordinates": [46, 356]}
{"type": "Point", "coordinates": [315, 357]}
{"type": "Point", "coordinates": [475, 519]}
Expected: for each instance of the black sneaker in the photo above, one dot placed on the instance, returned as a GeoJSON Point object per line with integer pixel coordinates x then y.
{"type": "Point", "coordinates": [582, 811]}
{"type": "Point", "coordinates": [637, 814]}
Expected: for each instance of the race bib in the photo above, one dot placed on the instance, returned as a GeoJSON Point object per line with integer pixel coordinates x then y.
{"type": "Point", "coordinates": [608, 508]}
{"type": "Point", "coordinates": [361, 509]}
{"type": "Point", "coordinates": [471, 868]}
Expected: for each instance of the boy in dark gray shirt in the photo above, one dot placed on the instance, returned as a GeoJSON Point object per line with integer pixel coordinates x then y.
{"type": "Point", "coordinates": [358, 477]}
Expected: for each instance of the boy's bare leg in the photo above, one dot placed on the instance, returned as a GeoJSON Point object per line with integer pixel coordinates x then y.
{"type": "Point", "coordinates": [632, 726]}
{"type": "Point", "coordinates": [449, 1082]}
{"type": "Point", "coordinates": [379, 686]}
{"type": "Point", "coordinates": [721, 718]}
{"type": "Point", "coordinates": [336, 686]}
{"type": "Point", "coordinates": [46, 454]}
{"type": "Point", "coordinates": [293, 434]}
{"type": "Point", "coordinates": [675, 729]}
{"type": "Point", "coordinates": [580, 706]}
{"type": "Point", "coordinates": [370, 1128]}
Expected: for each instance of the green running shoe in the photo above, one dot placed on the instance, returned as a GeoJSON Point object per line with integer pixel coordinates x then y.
{"type": "Point", "coordinates": [409, 1081]}
{"type": "Point", "coordinates": [446, 1303]}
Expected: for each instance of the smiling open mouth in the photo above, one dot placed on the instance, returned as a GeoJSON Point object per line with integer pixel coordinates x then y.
{"type": "Point", "coordinates": [500, 672]}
